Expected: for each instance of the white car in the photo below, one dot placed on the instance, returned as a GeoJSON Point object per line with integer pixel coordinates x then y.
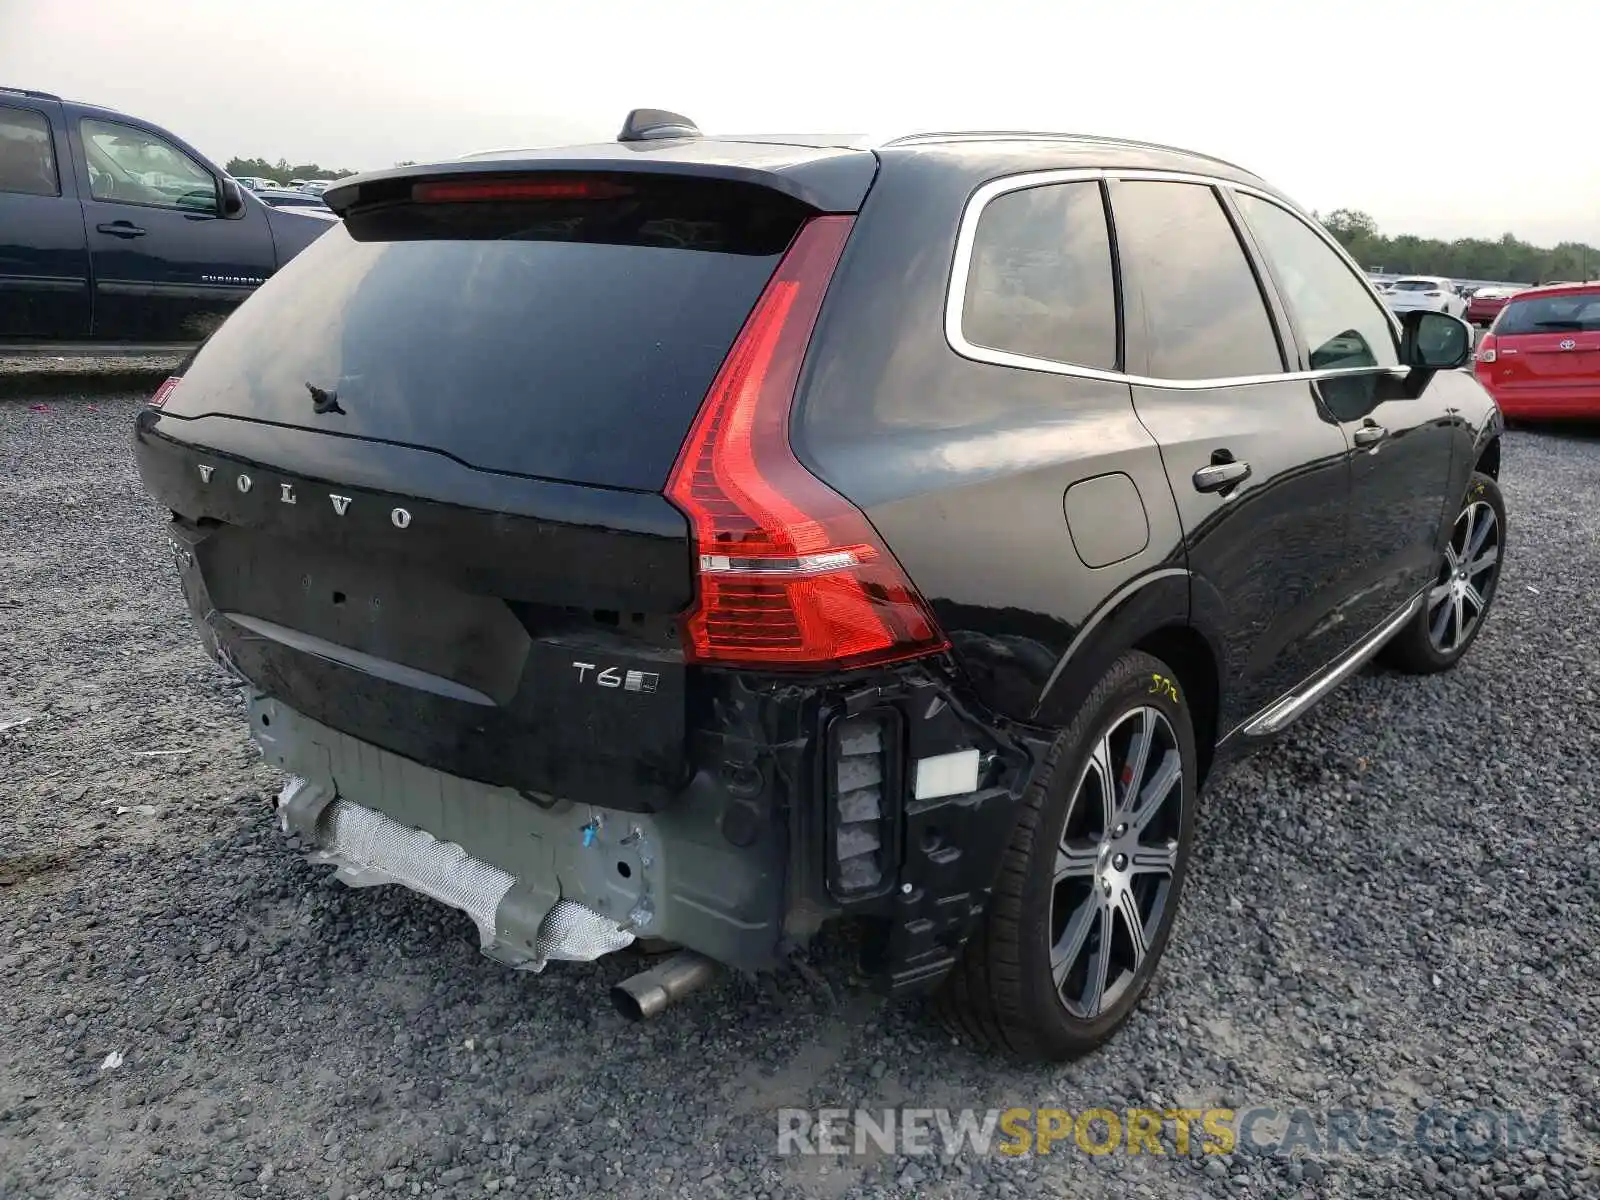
{"type": "Point", "coordinates": [1425, 291]}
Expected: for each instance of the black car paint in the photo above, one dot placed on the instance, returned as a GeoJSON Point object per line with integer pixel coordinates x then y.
{"type": "Point", "coordinates": [1274, 581]}
{"type": "Point", "coordinates": [962, 466]}
{"type": "Point", "coordinates": [168, 277]}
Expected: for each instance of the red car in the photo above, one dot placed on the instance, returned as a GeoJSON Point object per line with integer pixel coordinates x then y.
{"type": "Point", "coordinates": [1541, 357]}
{"type": "Point", "coordinates": [1484, 305]}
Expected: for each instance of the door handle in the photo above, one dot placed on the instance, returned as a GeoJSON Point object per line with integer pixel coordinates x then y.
{"type": "Point", "coordinates": [1220, 476]}
{"type": "Point", "coordinates": [122, 229]}
{"type": "Point", "coordinates": [1369, 434]}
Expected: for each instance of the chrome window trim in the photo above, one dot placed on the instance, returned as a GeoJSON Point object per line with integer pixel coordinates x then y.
{"type": "Point", "coordinates": [966, 236]}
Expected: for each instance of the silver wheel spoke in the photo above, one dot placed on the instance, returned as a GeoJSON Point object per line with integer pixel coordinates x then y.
{"type": "Point", "coordinates": [1460, 608]}
{"type": "Point", "coordinates": [1483, 562]}
{"type": "Point", "coordinates": [1475, 597]}
{"type": "Point", "coordinates": [1108, 788]}
{"type": "Point", "coordinates": [1157, 860]}
{"type": "Point", "coordinates": [1157, 790]}
{"type": "Point", "coordinates": [1094, 990]}
{"type": "Point", "coordinates": [1441, 623]}
{"type": "Point", "coordinates": [1128, 907]}
{"type": "Point", "coordinates": [1076, 859]}
{"type": "Point", "coordinates": [1064, 954]}
{"type": "Point", "coordinates": [1138, 756]}
{"type": "Point", "coordinates": [1438, 596]}
{"type": "Point", "coordinates": [1450, 557]}
{"type": "Point", "coordinates": [1478, 532]}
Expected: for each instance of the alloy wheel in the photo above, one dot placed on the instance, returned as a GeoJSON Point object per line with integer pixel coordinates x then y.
{"type": "Point", "coordinates": [1461, 593]}
{"type": "Point", "coordinates": [1116, 861]}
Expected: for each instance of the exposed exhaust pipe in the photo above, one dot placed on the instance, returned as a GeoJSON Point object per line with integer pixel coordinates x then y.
{"type": "Point", "coordinates": [650, 993]}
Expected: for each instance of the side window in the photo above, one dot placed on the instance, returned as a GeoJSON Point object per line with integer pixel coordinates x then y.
{"type": "Point", "coordinates": [27, 158]}
{"type": "Point", "coordinates": [1039, 282]}
{"type": "Point", "coordinates": [1204, 313]}
{"type": "Point", "coordinates": [131, 166]}
{"type": "Point", "coordinates": [1343, 325]}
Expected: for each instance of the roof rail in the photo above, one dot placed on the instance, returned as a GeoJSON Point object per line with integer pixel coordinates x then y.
{"type": "Point", "coordinates": [32, 95]}
{"type": "Point", "coordinates": [649, 124]}
{"type": "Point", "coordinates": [995, 135]}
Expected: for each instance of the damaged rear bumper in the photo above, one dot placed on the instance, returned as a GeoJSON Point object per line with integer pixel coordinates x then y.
{"type": "Point", "coordinates": [890, 802]}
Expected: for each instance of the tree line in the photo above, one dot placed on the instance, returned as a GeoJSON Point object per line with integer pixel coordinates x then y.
{"type": "Point", "coordinates": [282, 170]}
{"type": "Point", "coordinates": [1507, 258]}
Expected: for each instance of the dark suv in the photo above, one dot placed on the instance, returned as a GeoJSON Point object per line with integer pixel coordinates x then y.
{"type": "Point", "coordinates": [696, 540]}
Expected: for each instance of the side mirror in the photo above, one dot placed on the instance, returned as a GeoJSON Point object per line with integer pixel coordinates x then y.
{"type": "Point", "coordinates": [1434, 341]}
{"type": "Point", "coordinates": [232, 198]}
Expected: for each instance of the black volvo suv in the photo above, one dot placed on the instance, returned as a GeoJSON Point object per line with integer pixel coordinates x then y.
{"type": "Point", "coordinates": [694, 540]}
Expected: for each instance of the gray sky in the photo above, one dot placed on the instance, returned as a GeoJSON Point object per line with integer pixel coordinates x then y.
{"type": "Point", "coordinates": [1445, 118]}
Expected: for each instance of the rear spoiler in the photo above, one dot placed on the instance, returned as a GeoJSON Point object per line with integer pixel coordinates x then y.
{"type": "Point", "coordinates": [826, 179]}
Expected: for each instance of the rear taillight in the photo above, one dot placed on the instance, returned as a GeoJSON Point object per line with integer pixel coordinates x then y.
{"type": "Point", "coordinates": [159, 400]}
{"type": "Point", "coordinates": [790, 573]}
{"type": "Point", "coordinates": [1485, 352]}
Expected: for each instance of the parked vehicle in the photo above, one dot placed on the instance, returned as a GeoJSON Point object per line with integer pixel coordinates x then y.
{"type": "Point", "coordinates": [113, 231]}
{"type": "Point", "coordinates": [1486, 303]}
{"type": "Point", "coordinates": [1541, 357]}
{"type": "Point", "coordinates": [256, 183]}
{"type": "Point", "coordinates": [284, 198]}
{"type": "Point", "coordinates": [1426, 294]}
{"type": "Point", "coordinates": [710, 543]}
{"type": "Point", "coordinates": [315, 187]}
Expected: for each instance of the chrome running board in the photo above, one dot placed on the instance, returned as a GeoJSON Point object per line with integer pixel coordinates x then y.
{"type": "Point", "coordinates": [1285, 710]}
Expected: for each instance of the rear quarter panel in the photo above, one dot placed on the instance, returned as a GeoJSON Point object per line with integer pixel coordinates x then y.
{"type": "Point", "coordinates": [963, 466]}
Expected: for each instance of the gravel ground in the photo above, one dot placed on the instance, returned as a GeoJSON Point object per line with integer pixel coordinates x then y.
{"type": "Point", "coordinates": [1396, 907]}
{"type": "Point", "coordinates": [43, 378]}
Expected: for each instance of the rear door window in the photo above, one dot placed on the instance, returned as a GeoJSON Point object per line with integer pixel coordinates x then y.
{"type": "Point", "coordinates": [1551, 314]}
{"type": "Point", "coordinates": [1204, 313]}
{"type": "Point", "coordinates": [1343, 324]}
{"type": "Point", "coordinates": [27, 157]}
{"type": "Point", "coordinates": [1039, 282]}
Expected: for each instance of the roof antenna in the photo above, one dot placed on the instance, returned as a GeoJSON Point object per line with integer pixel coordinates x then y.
{"type": "Point", "coordinates": [649, 124]}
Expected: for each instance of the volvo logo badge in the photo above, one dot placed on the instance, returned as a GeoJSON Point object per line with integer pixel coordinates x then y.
{"type": "Point", "coordinates": [400, 518]}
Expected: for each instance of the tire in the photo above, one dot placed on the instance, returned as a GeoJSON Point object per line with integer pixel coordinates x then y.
{"type": "Point", "coordinates": [1003, 993]}
{"type": "Point", "coordinates": [1447, 625]}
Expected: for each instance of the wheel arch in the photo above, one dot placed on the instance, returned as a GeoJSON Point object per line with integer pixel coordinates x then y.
{"type": "Point", "coordinates": [1190, 655]}
{"type": "Point", "coordinates": [1154, 617]}
{"type": "Point", "coordinates": [1488, 460]}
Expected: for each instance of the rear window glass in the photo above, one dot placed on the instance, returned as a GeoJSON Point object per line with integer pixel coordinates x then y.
{"type": "Point", "coordinates": [1551, 314]}
{"type": "Point", "coordinates": [27, 159]}
{"type": "Point", "coordinates": [571, 341]}
{"type": "Point", "coordinates": [1040, 281]}
{"type": "Point", "coordinates": [1417, 285]}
